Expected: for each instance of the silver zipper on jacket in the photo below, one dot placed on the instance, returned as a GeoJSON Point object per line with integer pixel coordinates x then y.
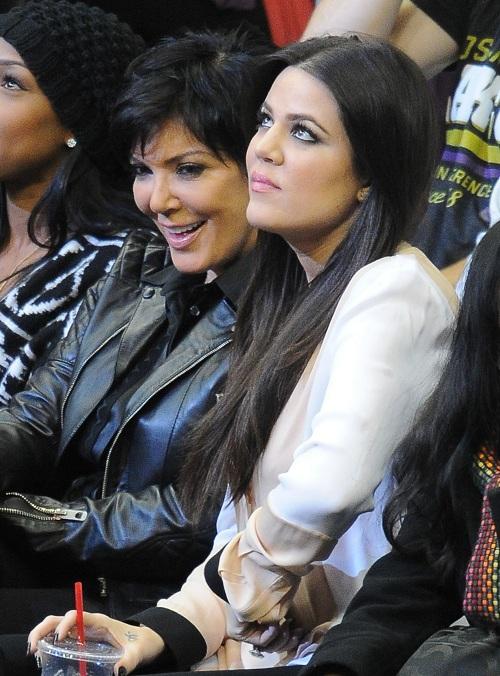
{"type": "Point", "coordinates": [46, 513]}
{"type": "Point", "coordinates": [82, 366]}
{"type": "Point", "coordinates": [131, 415]}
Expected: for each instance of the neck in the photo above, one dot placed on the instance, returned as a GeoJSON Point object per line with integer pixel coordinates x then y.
{"type": "Point", "coordinates": [312, 267]}
{"type": "Point", "coordinates": [18, 221]}
{"type": "Point", "coordinates": [17, 218]}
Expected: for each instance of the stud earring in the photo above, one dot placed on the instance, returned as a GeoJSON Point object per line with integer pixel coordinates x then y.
{"type": "Point", "coordinates": [363, 193]}
{"type": "Point", "coordinates": [71, 142]}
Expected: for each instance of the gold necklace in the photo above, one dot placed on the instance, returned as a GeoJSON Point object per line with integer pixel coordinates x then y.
{"type": "Point", "coordinates": [17, 268]}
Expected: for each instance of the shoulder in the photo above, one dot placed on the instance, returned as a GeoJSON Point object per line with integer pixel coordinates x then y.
{"type": "Point", "coordinates": [408, 275]}
{"type": "Point", "coordinates": [399, 294]}
{"type": "Point", "coordinates": [89, 251]}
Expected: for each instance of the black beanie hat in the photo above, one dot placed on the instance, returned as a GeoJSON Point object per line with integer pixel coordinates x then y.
{"type": "Point", "coordinates": [78, 55]}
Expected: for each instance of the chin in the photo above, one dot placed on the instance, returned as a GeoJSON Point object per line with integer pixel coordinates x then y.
{"type": "Point", "coordinates": [266, 219]}
{"type": "Point", "coordinates": [188, 267]}
{"type": "Point", "coordinates": [257, 219]}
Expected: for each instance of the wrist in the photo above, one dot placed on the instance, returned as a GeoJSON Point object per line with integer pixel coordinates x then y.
{"type": "Point", "coordinates": [152, 644]}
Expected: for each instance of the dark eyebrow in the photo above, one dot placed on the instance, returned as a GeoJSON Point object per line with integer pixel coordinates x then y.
{"type": "Point", "coordinates": [178, 158]}
{"type": "Point", "coordinates": [11, 62]}
{"type": "Point", "coordinates": [293, 117]}
{"type": "Point", "coordinates": [306, 118]}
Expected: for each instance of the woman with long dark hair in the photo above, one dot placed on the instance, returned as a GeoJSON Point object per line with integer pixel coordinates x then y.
{"type": "Point", "coordinates": [64, 202]}
{"type": "Point", "coordinates": [339, 339]}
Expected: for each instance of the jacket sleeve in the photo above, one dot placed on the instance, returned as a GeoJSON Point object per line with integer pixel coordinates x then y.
{"type": "Point", "coordinates": [30, 424]}
{"type": "Point", "coordinates": [128, 536]}
{"type": "Point", "coordinates": [401, 603]}
{"type": "Point", "coordinates": [380, 358]}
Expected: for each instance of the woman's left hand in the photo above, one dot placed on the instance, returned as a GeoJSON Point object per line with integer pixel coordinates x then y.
{"type": "Point", "coordinates": [279, 637]}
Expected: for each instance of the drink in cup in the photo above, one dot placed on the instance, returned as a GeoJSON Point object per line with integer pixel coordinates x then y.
{"type": "Point", "coordinates": [70, 658]}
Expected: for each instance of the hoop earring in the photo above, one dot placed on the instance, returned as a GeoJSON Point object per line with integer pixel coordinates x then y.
{"type": "Point", "coordinates": [71, 142]}
{"type": "Point", "coordinates": [363, 193]}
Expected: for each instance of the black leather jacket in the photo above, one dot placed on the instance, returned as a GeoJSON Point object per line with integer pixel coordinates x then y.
{"type": "Point", "coordinates": [134, 534]}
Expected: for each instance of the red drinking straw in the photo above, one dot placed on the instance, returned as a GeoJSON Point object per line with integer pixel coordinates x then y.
{"type": "Point", "coordinates": [80, 627]}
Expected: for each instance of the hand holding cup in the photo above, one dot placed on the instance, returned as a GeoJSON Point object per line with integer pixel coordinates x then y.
{"type": "Point", "coordinates": [140, 645]}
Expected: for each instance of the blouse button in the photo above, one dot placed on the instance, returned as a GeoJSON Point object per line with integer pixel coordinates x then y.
{"type": "Point", "coordinates": [148, 292]}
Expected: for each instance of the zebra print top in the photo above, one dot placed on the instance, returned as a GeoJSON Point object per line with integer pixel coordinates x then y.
{"type": "Point", "coordinates": [39, 310]}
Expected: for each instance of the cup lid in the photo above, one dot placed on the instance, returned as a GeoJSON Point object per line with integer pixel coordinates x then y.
{"type": "Point", "coordinates": [90, 651]}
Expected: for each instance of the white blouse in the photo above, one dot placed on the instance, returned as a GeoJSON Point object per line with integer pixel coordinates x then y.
{"type": "Point", "coordinates": [303, 546]}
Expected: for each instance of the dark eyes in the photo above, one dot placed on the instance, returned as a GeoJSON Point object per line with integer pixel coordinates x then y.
{"type": "Point", "coordinates": [263, 119]}
{"type": "Point", "coordinates": [186, 170]}
{"type": "Point", "coordinates": [298, 130]}
{"type": "Point", "coordinates": [189, 170]}
{"type": "Point", "coordinates": [139, 170]}
{"type": "Point", "coordinates": [301, 132]}
{"type": "Point", "coordinates": [11, 83]}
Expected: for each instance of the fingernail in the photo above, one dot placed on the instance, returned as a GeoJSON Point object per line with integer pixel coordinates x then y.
{"type": "Point", "coordinates": [56, 637]}
{"type": "Point", "coordinates": [268, 633]}
{"type": "Point", "coordinates": [28, 649]}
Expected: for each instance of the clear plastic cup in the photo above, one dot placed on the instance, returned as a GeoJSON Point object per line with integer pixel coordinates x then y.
{"type": "Point", "coordinates": [64, 658]}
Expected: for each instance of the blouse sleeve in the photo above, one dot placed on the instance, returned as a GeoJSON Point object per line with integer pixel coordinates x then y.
{"type": "Point", "coordinates": [206, 618]}
{"type": "Point", "coordinates": [380, 358]}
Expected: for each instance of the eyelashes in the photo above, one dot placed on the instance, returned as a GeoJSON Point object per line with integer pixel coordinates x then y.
{"type": "Point", "coordinates": [263, 119]}
{"type": "Point", "coordinates": [139, 170]}
{"type": "Point", "coordinates": [186, 170]}
{"type": "Point", "coordinates": [189, 170]}
{"type": "Point", "coordinates": [299, 130]}
{"type": "Point", "coordinates": [11, 83]}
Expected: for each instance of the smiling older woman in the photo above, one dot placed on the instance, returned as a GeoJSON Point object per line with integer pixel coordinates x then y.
{"type": "Point", "coordinates": [99, 430]}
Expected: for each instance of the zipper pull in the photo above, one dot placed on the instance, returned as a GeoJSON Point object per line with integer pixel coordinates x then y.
{"type": "Point", "coordinates": [70, 514]}
{"type": "Point", "coordinates": [103, 587]}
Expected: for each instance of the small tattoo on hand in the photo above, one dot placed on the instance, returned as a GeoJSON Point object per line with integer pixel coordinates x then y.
{"type": "Point", "coordinates": [131, 636]}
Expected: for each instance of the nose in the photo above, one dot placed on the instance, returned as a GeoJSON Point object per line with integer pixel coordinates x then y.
{"type": "Point", "coordinates": [268, 145]}
{"type": "Point", "coordinates": [162, 200]}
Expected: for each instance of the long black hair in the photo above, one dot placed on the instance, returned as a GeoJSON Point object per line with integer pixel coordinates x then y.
{"type": "Point", "coordinates": [84, 197]}
{"type": "Point", "coordinates": [433, 464]}
{"type": "Point", "coordinates": [389, 119]}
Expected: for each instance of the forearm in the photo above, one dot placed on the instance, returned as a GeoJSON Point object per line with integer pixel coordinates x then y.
{"type": "Point", "coordinates": [336, 17]}
{"type": "Point", "coordinates": [424, 40]}
{"type": "Point", "coordinates": [147, 529]}
{"type": "Point", "coordinates": [402, 22]}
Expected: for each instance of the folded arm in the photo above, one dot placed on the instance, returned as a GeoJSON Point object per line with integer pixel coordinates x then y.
{"type": "Point", "coordinates": [407, 26]}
